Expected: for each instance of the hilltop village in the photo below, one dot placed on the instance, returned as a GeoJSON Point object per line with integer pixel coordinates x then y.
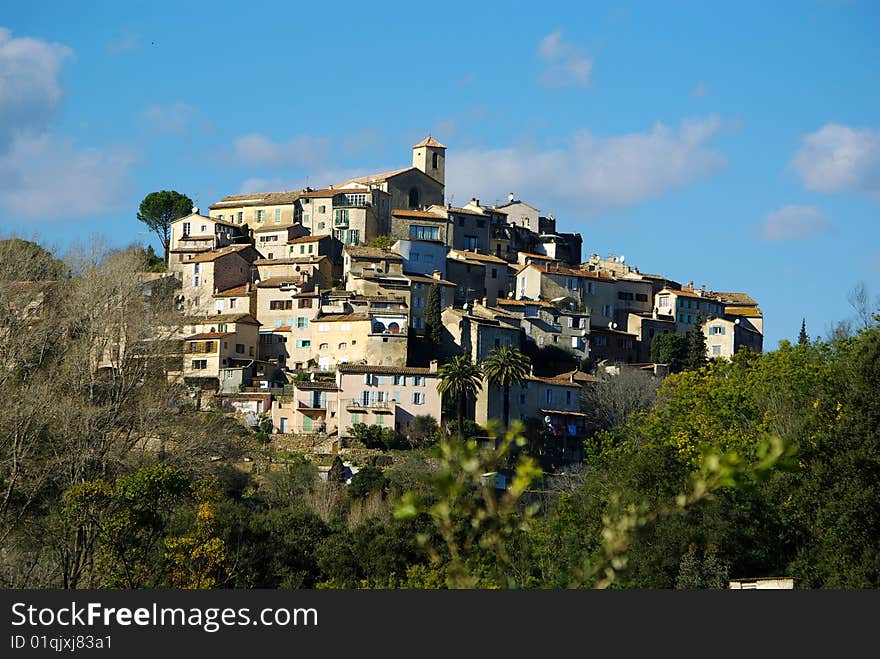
{"type": "Point", "coordinates": [323, 308]}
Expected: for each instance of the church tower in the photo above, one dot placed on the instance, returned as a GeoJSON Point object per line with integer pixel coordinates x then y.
{"type": "Point", "coordinates": [430, 157]}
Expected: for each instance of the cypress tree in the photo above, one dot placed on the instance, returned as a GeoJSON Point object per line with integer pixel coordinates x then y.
{"type": "Point", "coordinates": [696, 353]}
{"type": "Point", "coordinates": [433, 319]}
{"type": "Point", "coordinates": [803, 339]}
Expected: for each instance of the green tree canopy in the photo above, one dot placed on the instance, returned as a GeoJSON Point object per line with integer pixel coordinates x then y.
{"type": "Point", "coordinates": [670, 349]}
{"type": "Point", "coordinates": [159, 209]}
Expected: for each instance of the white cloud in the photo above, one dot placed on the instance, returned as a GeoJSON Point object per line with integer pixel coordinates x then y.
{"type": "Point", "coordinates": [793, 223]}
{"type": "Point", "coordinates": [564, 63]}
{"type": "Point", "coordinates": [837, 158]}
{"type": "Point", "coordinates": [30, 88]}
{"type": "Point", "coordinates": [44, 177]}
{"type": "Point", "coordinates": [302, 150]}
{"type": "Point", "coordinates": [123, 43]}
{"type": "Point", "coordinates": [173, 118]}
{"type": "Point", "coordinates": [589, 173]}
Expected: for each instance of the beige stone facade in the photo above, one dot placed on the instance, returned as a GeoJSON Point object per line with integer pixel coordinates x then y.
{"type": "Point", "coordinates": [212, 272]}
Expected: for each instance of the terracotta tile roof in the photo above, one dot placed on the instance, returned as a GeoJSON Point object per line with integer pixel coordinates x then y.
{"type": "Point", "coordinates": [738, 299]}
{"type": "Point", "coordinates": [208, 335]}
{"type": "Point", "coordinates": [363, 252]}
{"type": "Point", "coordinates": [538, 303]}
{"type": "Point", "coordinates": [314, 258]}
{"type": "Point", "coordinates": [277, 282]}
{"type": "Point", "coordinates": [423, 214]}
{"type": "Point", "coordinates": [213, 255]}
{"type": "Point", "coordinates": [568, 272]}
{"type": "Point", "coordinates": [477, 256]}
{"type": "Point", "coordinates": [425, 279]}
{"type": "Point", "coordinates": [378, 178]}
{"type": "Point", "coordinates": [307, 239]}
{"type": "Point", "coordinates": [429, 141]}
{"type": "Point", "coordinates": [542, 257]}
{"type": "Point", "coordinates": [245, 318]}
{"type": "Point", "coordinates": [389, 370]}
{"type": "Point", "coordinates": [563, 380]}
{"type": "Point", "coordinates": [342, 318]}
{"type": "Point", "coordinates": [238, 291]}
{"type": "Point", "coordinates": [325, 386]}
{"type": "Point", "coordinates": [743, 311]}
{"type": "Point", "coordinates": [563, 412]}
{"type": "Point", "coordinates": [257, 199]}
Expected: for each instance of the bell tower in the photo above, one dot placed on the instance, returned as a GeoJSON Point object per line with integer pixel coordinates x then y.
{"type": "Point", "coordinates": [430, 157]}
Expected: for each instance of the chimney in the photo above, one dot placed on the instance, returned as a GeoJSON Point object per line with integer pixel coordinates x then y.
{"type": "Point", "coordinates": [432, 366]}
{"type": "Point", "coordinates": [437, 274]}
{"type": "Point", "coordinates": [475, 201]}
{"type": "Point", "coordinates": [510, 197]}
{"type": "Point", "coordinates": [247, 287]}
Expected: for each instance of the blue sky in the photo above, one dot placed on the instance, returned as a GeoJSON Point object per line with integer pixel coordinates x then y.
{"type": "Point", "coordinates": [734, 145]}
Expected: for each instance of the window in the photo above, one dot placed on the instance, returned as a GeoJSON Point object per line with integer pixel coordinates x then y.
{"type": "Point", "coordinates": [419, 302]}
{"type": "Point", "coordinates": [204, 228]}
{"type": "Point", "coordinates": [301, 322]}
{"type": "Point", "coordinates": [196, 281]}
{"type": "Point", "coordinates": [413, 197]}
{"type": "Point", "coordinates": [239, 348]}
{"type": "Point", "coordinates": [568, 397]}
{"type": "Point", "coordinates": [470, 243]}
{"type": "Point", "coordinates": [418, 398]}
{"type": "Point", "coordinates": [186, 227]}
{"type": "Point", "coordinates": [240, 217]}
{"type": "Point", "coordinates": [354, 237]}
{"type": "Point", "coordinates": [343, 346]}
{"type": "Point", "coordinates": [397, 380]}
{"type": "Point", "coordinates": [341, 216]}
{"type": "Point", "coordinates": [220, 217]}
{"type": "Point", "coordinates": [599, 341]}
{"type": "Point", "coordinates": [549, 396]}
{"type": "Point", "coordinates": [574, 342]}
{"type": "Point", "coordinates": [718, 329]}
{"type": "Point", "coordinates": [421, 232]}
{"type": "Point", "coordinates": [197, 268]}
{"type": "Point", "coordinates": [305, 303]}
{"type": "Point", "coordinates": [324, 346]}
{"type": "Point", "coordinates": [199, 364]}
{"type": "Point", "coordinates": [303, 343]}
{"type": "Point", "coordinates": [434, 159]}
{"type": "Point", "coordinates": [268, 239]}
{"type": "Point", "coordinates": [419, 381]}
{"type": "Point", "coordinates": [322, 209]}
{"type": "Point", "coordinates": [623, 295]}
{"type": "Point", "coordinates": [280, 305]}
{"type": "Point", "coordinates": [259, 215]}
{"type": "Point", "coordinates": [641, 297]}
{"type": "Point", "coordinates": [277, 215]}
{"type": "Point", "coordinates": [571, 283]}
{"type": "Point", "coordinates": [607, 310]}
{"type": "Point", "coordinates": [494, 273]}
{"type": "Point", "coordinates": [716, 351]}
{"type": "Point", "coordinates": [232, 302]}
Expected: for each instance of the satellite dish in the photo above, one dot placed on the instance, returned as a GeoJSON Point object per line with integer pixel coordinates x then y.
{"type": "Point", "coordinates": [736, 322]}
{"type": "Point", "coordinates": [613, 325]}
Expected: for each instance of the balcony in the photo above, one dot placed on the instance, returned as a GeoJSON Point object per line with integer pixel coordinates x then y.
{"type": "Point", "coordinates": [340, 223]}
{"type": "Point", "coordinates": [377, 406]}
{"type": "Point", "coordinates": [345, 203]}
{"type": "Point", "coordinates": [310, 406]}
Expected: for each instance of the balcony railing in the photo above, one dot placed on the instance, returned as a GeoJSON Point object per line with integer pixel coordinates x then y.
{"type": "Point", "coordinates": [372, 405]}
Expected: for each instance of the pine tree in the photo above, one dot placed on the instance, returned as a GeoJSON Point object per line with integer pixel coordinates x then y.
{"type": "Point", "coordinates": [803, 339]}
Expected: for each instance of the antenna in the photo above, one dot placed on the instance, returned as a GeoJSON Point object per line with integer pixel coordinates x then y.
{"type": "Point", "coordinates": [622, 258]}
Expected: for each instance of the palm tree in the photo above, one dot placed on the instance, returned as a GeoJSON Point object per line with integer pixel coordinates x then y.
{"type": "Point", "coordinates": [505, 366]}
{"type": "Point", "coordinates": [460, 379]}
